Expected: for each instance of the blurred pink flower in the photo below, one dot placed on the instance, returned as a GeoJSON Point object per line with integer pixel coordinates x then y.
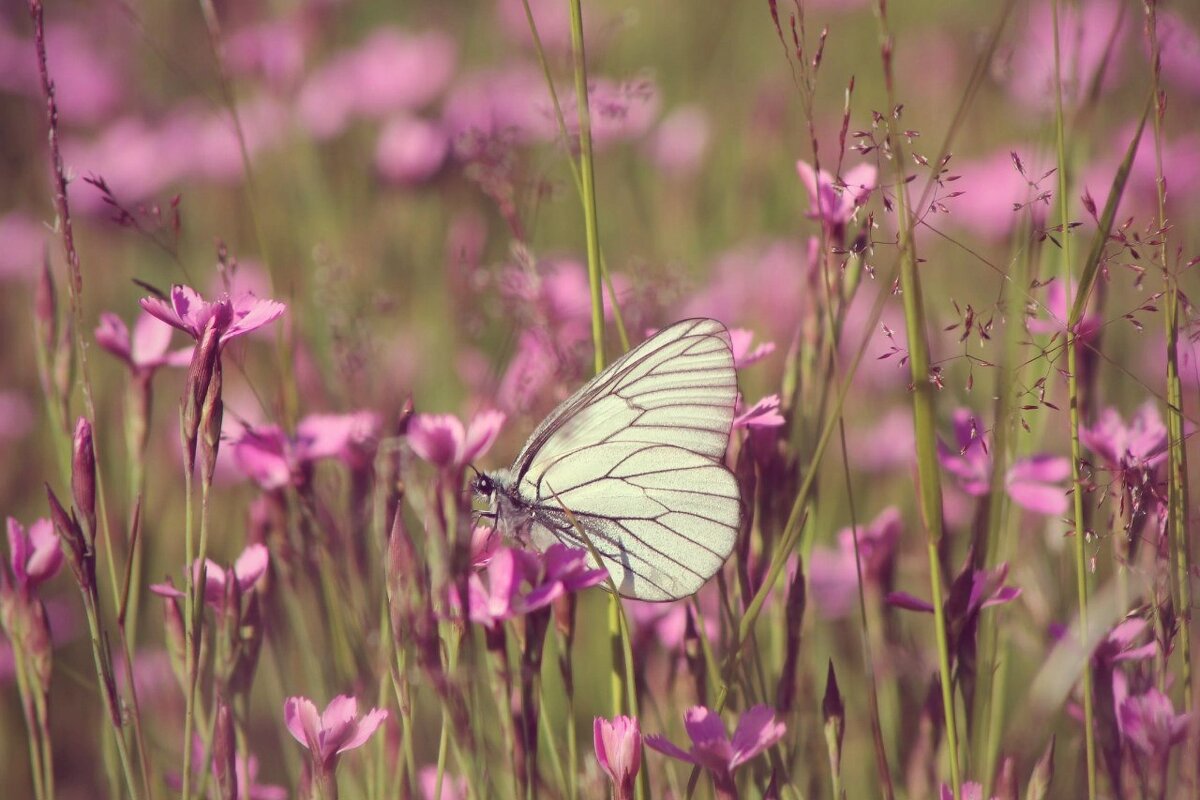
{"type": "Point", "coordinates": [991, 186]}
{"type": "Point", "coordinates": [34, 554]}
{"type": "Point", "coordinates": [1121, 644]}
{"type": "Point", "coordinates": [531, 369]}
{"type": "Point", "coordinates": [743, 355]}
{"type": "Point", "coordinates": [207, 141]}
{"type": "Point", "coordinates": [333, 732]}
{"type": "Point", "coordinates": [764, 282]}
{"type": "Point", "coordinates": [553, 20]}
{"type": "Point", "coordinates": [272, 459]}
{"type": "Point", "coordinates": [833, 575]}
{"type": "Point", "coordinates": [390, 71]}
{"type": "Point", "coordinates": [619, 111]}
{"type": "Point", "coordinates": [508, 102]}
{"type": "Point", "coordinates": [134, 158]}
{"type": "Point", "coordinates": [273, 50]}
{"type": "Point", "coordinates": [618, 745]}
{"type": "Point", "coordinates": [520, 582]}
{"type": "Point", "coordinates": [664, 625]}
{"type": "Point", "coordinates": [1031, 482]}
{"type": "Point", "coordinates": [680, 143]}
{"type": "Point", "coordinates": [888, 444]}
{"type": "Point", "coordinates": [410, 150]}
{"type": "Point", "coordinates": [190, 313]}
{"type": "Point", "coordinates": [1179, 46]}
{"type": "Point", "coordinates": [16, 416]}
{"type": "Point", "coordinates": [441, 439]}
{"type": "Point", "coordinates": [22, 245]}
{"type": "Point", "coordinates": [245, 769]}
{"type": "Point", "coordinates": [88, 85]}
{"type": "Point", "coordinates": [832, 202]}
{"type": "Point", "coordinates": [970, 791]}
{"type": "Point", "coordinates": [248, 570]}
{"type": "Point", "coordinates": [144, 351]}
{"type": "Point", "coordinates": [1181, 170]}
{"type": "Point", "coordinates": [1140, 445]}
{"type": "Point", "coordinates": [1084, 34]}
{"type": "Point", "coordinates": [453, 787]}
{"type": "Point", "coordinates": [1055, 312]}
{"type": "Point", "coordinates": [987, 590]}
{"type": "Point", "coordinates": [763, 414]}
{"type": "Point", "coordinates": [1150, 724]}
{"type": "Point", "coordinates": [712, 749]}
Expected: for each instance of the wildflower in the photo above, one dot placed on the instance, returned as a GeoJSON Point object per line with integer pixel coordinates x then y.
{"type": "Point", "coordinates": [1058, 311]}
{"type": "Point", "coordinates": [441, 439]}
{"type": "Point", "coordinates": [452, 788]}
{"type": "Point", "coordinates": [147, 348]}
{"type": "Point", "coordinates": [743, 356]}
{"type": "Point", "coordinates": [1149, 722]}
{"type": "Point", "coordinates": [835, 202]}
{"type": "Point", "coordinates": [765, 281]}
{"type": "Point", "coordinates": [34, 554]}
{"type": "Point", "coordinates": [985, 589]}
{"type": "Point", "coordinates": [711, 747]}
{"type": "Point", "coordinates": [333, 732]}
{"type": "Point", "coordinates": [1030, 481]}
{"type": "Point", "coordinates": [618, 746]}
{"type": "Point", "coordinates": [1140, 445]}
{"type": "Point", "coordinates": [273, 459]}
{"type": "Point", "coordinates": [519, 582]}
{"type": "Point", "coordinates": [16, 416]}
{"type": "Point", "coordinates": [763, 414]}
{"type": "Point", "coordinates": [410, 150]}
{"type": "Point", "coordinates": [234, 316]}
{"type": "Point", "coordinates": [970, 791]}
{"type": "Point", "coordinates": [248, 570]}
{"type": "Point", "coordinates": [1179, 44]}
{"type": "Point", "coordinates": [24, 243]}
{"type": "Point", "coordinates": [665, 624]}
{"type": "Point", "coordinates": [833, 574]}
{"type": "Point", "coordinates": [680, 142]}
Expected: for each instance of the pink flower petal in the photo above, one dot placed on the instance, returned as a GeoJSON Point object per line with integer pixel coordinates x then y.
{"type": "Point", "coordinates": [364, 728]}
{"type": "Point", "coordinates": [756, 731]}
{"type": "Point", "coordinates": [251, 565]}
{"type": "Point", "coordinates": [908, 601]}
{"type": "Point", "coordinates": [481, 433]}
{"type": "Point", "coordinates": [436, 438]}
{"type": "Point", "coordinates": [303, 721]}
{"type": "Point", "coordinates": [150, 339]}
{"type": "Point", "coordinates": [665, 746]}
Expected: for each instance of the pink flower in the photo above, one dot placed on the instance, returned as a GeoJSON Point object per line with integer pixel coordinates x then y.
{"type": "Point", "coordinates": [335, 731]}
{"type": "Point", "coordinates": [16, 416]}
{"type": "Point", "coordinates": [835, 202]}
{"type": "Point", "coordinates": [619, 750]}
{"type": "Point", "coordinates": [1031, 482]}
{"type": "Point", "coordinates": [190, 313]}
{"type": "Point", "coordinates": [743, 355]}
{"type": "Point", "coordinates": [833, 574]}
{"type": "Point", "coordinates": [1084, 34]}
{"type": "Point", "coordinates": [680, 143]}
{"type": "Point", "coordinates": [248, 570]}
{"type": "Point", "coordinates": [273, 50]}
{"type": "Point", "coordinates": [520, 582]}
{"type": "Point", "coordinates": [987, 590]}
{"type": "Point", "coordinates": [34, 554]}
{"type": "Point", "coordinates": [441, 439]}
{"type": "Point", "coordinates": [764, 282]}
{"type": "Point", "coordinates": [1056, 313]}
{"type": "Point", "coordinates": [619, 111]}
{"type": "Point", "coordinates": [1140, 445]}
{"type": "Point", "coordinates": [991, 186]}
{"type": "Point", "coordinates": [1179, 44]}
{"type": "Point", "coordinates": [453, 787]}
{"type": "Point", "coordinates": [272, 459]}
{"type": "Point", "coordinates": [711, 747]}
{"type": "Point", "coordinates": [87, 86]}
{"type": "Point", "coordinates": [763, 414]}
{"type": "Point", "coordinates": [970, 791]}
{"type": "Point", "coordinates": [665, 624]}
{"type": "Point", "coordinates": [24, 245]}
{"type": "Point", "coordinates": [508, 102]}
{"type": "Point", "coordinates": [410, 150]}
{"type": "Point", "coordinates": [553, 20]}
{"type": "Point", "coordinates": [1150, 724]}
{"type": "Point", "coordinates": [144, 351]}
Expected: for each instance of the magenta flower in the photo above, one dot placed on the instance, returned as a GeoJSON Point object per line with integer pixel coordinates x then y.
{"type": "Point", "coordinates": [764, 281]}
{"type": "Point", "coordinates": [987, 589]}
{"type": "Point", "coordinates": [273, 50]}
{"type": "Point", "coordinates": [1031, 482]}
{"type": "Point", "coordinates": [410, 150]}
{"type": "Point", "coordinates": [453, 787]}
{"type": "Point", "coordinates": [1056, 311]}
{"type": "Point", "coordinates": [191, 313]}
{"type": "Point", "coordinates": [248, 570]}
{"type": "Point", "coordinates": [1149, 722]}
{"type": "Point", "coordinates": [970, 791]}
{"type": "Point", "coordinates": [763, 414]}
{"type": "Point", "coordinates": [442, 440]}
{"type": "Point", "coordinates": [680, 142]}
{"type": "Point", "coordinates": [1140, 445]}
{"type": "Point", "coordinates": [992, 188]}
{"type": "Point", "coordinates": [833, 574]}
{"type": "Point", "coordinates": [16, 416]}
{"type": "Point", "coordinates": [520, 582]}
{"type": "Point", "coordinates": [333, 732]}
{"type": "Point", "coordinates": [743, 355]}
{"type": "Point", "coordinates": [24, 242]}
{"type": "Point", "coordinates": [34, 554]}
{"type": "Point", "coordinates": [1121, 644]}
{"type": "Point", "coordinates": [147, 348]}
{"type": "Point", "coordinates": [711, 747]}
{"type": "Point", "coordinates": [1180, 50]}
{"type": "Point", "coordinates": [272, 459]}
{"type": "Point", "coordinates": [619, 750]}
{"type": "Point", "coordinates": [835, 202]}
{"type": "Point", "coordinates": [664, 625]}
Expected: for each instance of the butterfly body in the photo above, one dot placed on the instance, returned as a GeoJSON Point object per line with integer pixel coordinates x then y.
{"type": "Point", "coordinates": [632, 464]}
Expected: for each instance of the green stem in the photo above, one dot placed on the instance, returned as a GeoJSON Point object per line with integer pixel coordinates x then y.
{"type": "Point", "coordinates": [189, 638]}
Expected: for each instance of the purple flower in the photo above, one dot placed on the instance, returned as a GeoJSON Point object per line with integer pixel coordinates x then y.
{"type": "Point", "coordinates": [441, 439]}
{"type": "Point", "coordinates": [992, 186]}
{"type": "Point", "coordinates": [190, 313]}
{"type": "Point", "coordinates": [34, 554]}
{"type": "Point", "coordinates": [1140, 445]}
{"type": "Point", "coordinates": [248, 570]}
{"type": "Point", "coordinates": [835, 202]}
{"type": "Point", "coordinates": [333, 732]}
{"type": "Point", "coordinates": [743, 356]}
{"type": "Point", "coordinates": [711, 747]}
{"type": "Point", "coordinates": [619, 750]}
{"type": "Point", "coordinates": [144, 351]}
{"type": "Point", "coordinates": [1031, 482]}
{"type": "Point", "coordinates": [410, 150]}
{"type": "Point", "coordinates": [665, 624]}
{"type": "Point", "coordinates": [987, 589]}
{"type": "Point", "coordinates": [1120, 644]}
{"type": "Point", "coordinates": [833, 574]}
{"type": "Point", "coordinates": [763, 414]}
{"type": "Point", "coordinates": [1149, 722]}
{"type": "Point", "coordinates": [620, 111]}
{"type": "Point", "coordinates": [520, 582]}
{"type": "Point", "coordinates": [272, 459]}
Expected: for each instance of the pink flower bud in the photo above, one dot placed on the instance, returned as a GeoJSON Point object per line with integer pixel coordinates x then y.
{"type": "Point", "coordinates": [83, 477]}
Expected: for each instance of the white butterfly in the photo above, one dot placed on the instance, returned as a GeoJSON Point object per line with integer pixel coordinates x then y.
{"type": "Point", "coordinates": [636, 456]}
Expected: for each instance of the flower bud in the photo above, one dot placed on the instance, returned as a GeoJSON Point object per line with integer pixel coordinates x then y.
{"type": "Point", "coordinates": [211, 414]}
{"type": "Point", "coordinates": [195, 390]}
{"type": "Point", "coordinates": [80, 557]}
{"type": "Point", "coordinates": [225, 752]}
{"type": "Point", "coordinates": [83, 477]}
{"type": "Point", "coordinates": [45, 309]}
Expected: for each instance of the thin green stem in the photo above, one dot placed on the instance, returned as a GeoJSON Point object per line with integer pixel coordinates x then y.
{"type": "Point", "coordinates": [37, 764]}
{"type": "Point", "coordinates": [189, 638]}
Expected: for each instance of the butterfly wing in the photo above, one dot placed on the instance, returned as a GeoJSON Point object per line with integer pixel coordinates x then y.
{"type": "Point", "coordinates": [636, 456]}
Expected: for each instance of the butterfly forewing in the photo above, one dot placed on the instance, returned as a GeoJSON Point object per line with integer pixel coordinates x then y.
{"type": "Point", "coordinates": [636, 455]}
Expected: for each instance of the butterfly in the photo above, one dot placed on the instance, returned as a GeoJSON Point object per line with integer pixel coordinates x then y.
{"type": "Point", "coordinates": [635, 459]}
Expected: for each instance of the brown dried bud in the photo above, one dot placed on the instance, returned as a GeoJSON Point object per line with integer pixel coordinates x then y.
{"type": "Point", "coordinates": [83, 477]}
{"type": "Point", "coordinates": [80, 558]}
{"type": "Point", "coordinates": [195, 389]}
{"type": "Point", "coordinates": [225, 751]}
{"type": "Point", "coordinates": [211, 414]}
